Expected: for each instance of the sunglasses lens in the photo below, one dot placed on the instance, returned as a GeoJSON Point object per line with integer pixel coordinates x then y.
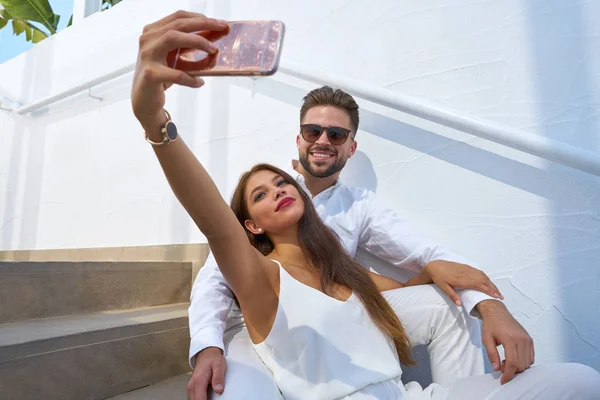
{"type": "Point", "coordinates": [337, 135]}
{"type": "Point", "coordinates": [311, 133]}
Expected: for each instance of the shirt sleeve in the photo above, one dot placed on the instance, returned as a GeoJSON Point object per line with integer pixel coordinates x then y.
{"type": "Point", "coordinates": [210, 303]}
{"type": "Point", "coordinates": [391, 238]}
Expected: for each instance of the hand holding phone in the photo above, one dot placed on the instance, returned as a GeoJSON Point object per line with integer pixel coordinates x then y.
{"type": "Point", "coordinates": [247, 48]}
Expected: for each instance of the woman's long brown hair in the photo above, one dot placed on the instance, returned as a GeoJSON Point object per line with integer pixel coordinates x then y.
{"type": "Point", "coordinates": [325, 253]}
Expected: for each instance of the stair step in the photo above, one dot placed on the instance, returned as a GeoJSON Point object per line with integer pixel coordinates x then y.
{"type": "Point", "coordinates": [93, 356]}
{"type": "Point", "coordinates": [32, 290]}
{"type": "Point", "coordinates": [170, 389]}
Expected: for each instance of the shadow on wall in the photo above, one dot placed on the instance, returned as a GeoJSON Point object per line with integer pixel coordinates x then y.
{"type": "Point", "coordinates": [562, 49]}
{"type": "Point", "coordinates": [359, 172]}
{"type": "Point", "coordinates": [491, 165]}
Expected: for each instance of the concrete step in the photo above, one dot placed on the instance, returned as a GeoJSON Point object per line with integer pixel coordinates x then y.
{"type": "Point", "coordinates": [170, 389]}
{"type": "Point", "coordinates": [31, 290]}
{"type": "Point", "coordinates": [93, 356]}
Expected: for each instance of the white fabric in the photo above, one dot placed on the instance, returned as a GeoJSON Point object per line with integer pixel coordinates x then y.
{"type": "Point", "coordinates": [247, 378]}
{"type": "Point", "coordinates": [325, 349]}
{"type": "Point", "coordinates": [359, 221]}
{"type": "Point", "coordinates": [316, 347]}
{"type": "Point", "coordinates": [540, 382]}
{"type": "Point", "coordinates": [452, 338]}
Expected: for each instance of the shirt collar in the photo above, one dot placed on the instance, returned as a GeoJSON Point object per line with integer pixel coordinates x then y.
{"type": "Point", "coordinates": [300, 179]}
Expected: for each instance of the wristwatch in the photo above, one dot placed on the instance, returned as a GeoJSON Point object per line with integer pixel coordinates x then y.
{"type": "Point", "coordinates": [168, 130]}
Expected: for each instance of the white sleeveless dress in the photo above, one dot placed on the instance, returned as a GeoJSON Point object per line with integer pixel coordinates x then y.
{"type": "Point", "coordinates": [320, 348]}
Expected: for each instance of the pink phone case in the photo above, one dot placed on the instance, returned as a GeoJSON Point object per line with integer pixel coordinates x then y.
{"type": "Point", "coordinates": [248, 48]}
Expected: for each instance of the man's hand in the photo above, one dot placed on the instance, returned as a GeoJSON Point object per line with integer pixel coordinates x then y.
{"type": "Point", "coordinates": [500, 328]}
{"type": "Point", "coordinates": [210, 370]}
{"type": "Point", "coordinates": [449, 275]}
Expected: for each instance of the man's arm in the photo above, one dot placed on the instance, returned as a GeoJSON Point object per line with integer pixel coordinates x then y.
{"type": "Point", "coordinates": [210, 302]}
{"type": "Point", "coordinates": [391, 238]}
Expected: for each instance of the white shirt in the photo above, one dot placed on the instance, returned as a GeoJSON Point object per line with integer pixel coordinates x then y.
{"type": "Point", "coordinates": [360, 222]}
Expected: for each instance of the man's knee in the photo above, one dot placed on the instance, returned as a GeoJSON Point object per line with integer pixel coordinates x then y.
{"type": "Point", "coordinates": [246, 376]}
{"type": "Point", "coordinates": [576, 381]}
{"type": "Point", "coordinates": [243, 382]}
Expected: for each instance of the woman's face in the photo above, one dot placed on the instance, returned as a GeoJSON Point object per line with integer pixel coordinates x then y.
{"type": "Point", "coordinates": [274, 204]}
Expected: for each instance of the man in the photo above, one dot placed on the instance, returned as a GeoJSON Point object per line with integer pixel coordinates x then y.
{"type": "Point", "coordinates": [329, 122]}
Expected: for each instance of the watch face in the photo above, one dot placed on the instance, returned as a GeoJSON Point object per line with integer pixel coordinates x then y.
{"type": "Point", "coordinates": [171, 130]}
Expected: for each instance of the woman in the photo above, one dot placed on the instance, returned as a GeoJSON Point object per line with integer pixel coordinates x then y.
{"type": "Point", "coordinates": [317, 319]}
{"type": "Point", "coordinates": [326, 307]}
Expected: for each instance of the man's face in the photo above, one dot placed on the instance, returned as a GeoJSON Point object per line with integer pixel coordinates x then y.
{"type": "Point", "coordinates": [322, 159]}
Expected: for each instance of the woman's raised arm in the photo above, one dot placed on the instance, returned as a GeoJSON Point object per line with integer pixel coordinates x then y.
{"type": "Point", "coordinates": [241, 265]}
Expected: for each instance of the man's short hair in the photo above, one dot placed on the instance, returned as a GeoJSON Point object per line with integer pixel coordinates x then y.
{"type": "Point", "coordinates": [327, 96]}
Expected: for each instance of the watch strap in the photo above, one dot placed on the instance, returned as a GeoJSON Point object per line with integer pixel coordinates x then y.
{"type": "Point", "coordinates": [163, 132]}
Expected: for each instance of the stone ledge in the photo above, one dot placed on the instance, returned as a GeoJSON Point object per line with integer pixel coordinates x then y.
{"type": "Point", "coordinates": [173, 388]}
{"type": "Point", "coordinates": [197, 252]}
{"type": "Point", "coordinates": [98, 370]}
{"type": "Point", "coordinates": [32, 338]}
{"type": "Point", "coordinates": [30, 290]}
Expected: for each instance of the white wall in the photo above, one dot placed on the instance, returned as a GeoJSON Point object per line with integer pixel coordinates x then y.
{"type": "Point", "coordinates": [80, 175]}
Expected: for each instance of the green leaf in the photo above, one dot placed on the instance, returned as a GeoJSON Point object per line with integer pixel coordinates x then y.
{"type": "Point", "coordinates": [38, 35]}
{"type": "Point", "coordinates": [18, 26]}
{"type": "Point", "coordinates": [56, 20]}
{"type": "Point", "coordinates": [3, 22]}
{"type": "Point", "coordinates": [32, 33]}
{"type": "Point", "coordinates": [70, 21]}
{"type": "Point", "coordinates": [106, 4]}
{"type": "Point", "coordinates": [28, 34]}
{"type": "Point", "coordinates": [32, 10]}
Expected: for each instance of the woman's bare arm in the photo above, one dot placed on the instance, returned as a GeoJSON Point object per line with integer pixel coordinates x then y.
{"type": "Point", "coordinates": [384, 283]}
{"type": "Point", "coordinates": [242, 266]}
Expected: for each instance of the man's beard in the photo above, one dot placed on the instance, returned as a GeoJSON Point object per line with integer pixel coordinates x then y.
{"type": "Point", "coordinates": [332, 169]}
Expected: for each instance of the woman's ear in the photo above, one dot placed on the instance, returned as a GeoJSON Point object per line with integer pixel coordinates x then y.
{"type": "Point", "coordinates": [251, 226]}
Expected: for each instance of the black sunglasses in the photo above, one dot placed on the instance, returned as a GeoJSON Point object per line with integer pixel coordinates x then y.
{"type": "Point", "coordinates": [336, 134]}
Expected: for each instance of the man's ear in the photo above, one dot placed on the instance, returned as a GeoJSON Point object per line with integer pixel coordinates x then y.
{"type": "Point", "coordinates": [298, 141]}
{"type": "Point", "coordinates": [251, 226]}
{"type": "Point", "coordinates": [352, 148]}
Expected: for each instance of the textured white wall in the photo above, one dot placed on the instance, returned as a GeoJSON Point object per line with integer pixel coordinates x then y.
{"type": "Point", "coordinates": [80, 175]}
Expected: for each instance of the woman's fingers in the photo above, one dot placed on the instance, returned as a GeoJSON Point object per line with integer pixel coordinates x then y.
{"type": "Point", "coordinates": [172, 39]}
{"type": "Point", "coordinates": [160, 74]}
{"type": "Point", "coordinates": [157, 44]}
{"type": "Point", "coordinates": [177, 15]}
{"type": "Point", "coordinates": [152, 76]}
{"type": "Point", "coordinates": [482, 287]}
{"type": "Point", "coordinates": [195, 24]}
{"type": "Point", "coordinates": [491, 290]}
{"type": "Point", "coordinates": [495, 289]}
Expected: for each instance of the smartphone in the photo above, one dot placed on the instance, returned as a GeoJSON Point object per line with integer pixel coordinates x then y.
{"type": "Point", "coordinates": [247, 48]}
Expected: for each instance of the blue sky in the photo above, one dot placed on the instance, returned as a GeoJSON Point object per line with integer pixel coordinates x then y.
{"type": "Point", "coordinates": [11, 46]}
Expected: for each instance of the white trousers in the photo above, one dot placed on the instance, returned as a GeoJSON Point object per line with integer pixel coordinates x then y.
{"type": "Point", "coordinates": [453, 342]}
{"type": "Point", "coordinates": [546, 382]}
